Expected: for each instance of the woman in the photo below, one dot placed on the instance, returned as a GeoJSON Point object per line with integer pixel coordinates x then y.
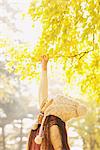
{"type": "Point", "coordinates": [49, 131]}
{"type": "Point", "coordinates": [54, 135]}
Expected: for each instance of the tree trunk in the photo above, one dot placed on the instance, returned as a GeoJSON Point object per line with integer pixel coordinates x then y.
{"type": "Point", "coordinates": [21, 135]}
{"type": "Point", "coordinates": [84, 144]}
{"type": "Point", "coordinates": [92, 142]}
{"type": "Point", "coordinates": [3, 136]}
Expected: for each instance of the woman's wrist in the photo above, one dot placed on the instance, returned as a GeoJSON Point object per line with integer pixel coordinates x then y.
{"type": "Point", "coordinates": [44, 66]}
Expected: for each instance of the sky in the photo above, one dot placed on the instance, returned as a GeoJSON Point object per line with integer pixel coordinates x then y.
{"type": "Point", "coordinates": [16, 24]}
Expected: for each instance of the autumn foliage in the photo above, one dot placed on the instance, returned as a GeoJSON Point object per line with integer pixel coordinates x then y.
{"type": "Point", "coordinates": [70, 36]}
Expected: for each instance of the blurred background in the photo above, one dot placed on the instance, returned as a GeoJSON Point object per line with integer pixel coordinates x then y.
{"type": "Point", "coordinates": [19, 94]}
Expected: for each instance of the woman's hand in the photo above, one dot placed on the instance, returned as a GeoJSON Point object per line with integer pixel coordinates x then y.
{"type": "Point", "coordinates": [44, 61]}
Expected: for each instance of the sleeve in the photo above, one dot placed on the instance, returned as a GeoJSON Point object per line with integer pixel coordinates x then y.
{"type": "Point", "coordinates": [43, 89]}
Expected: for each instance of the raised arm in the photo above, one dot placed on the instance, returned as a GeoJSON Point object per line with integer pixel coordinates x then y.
{"type": "Point", "coordinates": [43, 87]}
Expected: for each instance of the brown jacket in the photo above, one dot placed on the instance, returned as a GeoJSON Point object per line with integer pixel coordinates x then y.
{"type": "Point", "coordinates": [47, 143]}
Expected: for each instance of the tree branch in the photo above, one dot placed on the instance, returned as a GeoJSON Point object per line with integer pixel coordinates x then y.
{"type": "Point", "coordinates": [71, 56]}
